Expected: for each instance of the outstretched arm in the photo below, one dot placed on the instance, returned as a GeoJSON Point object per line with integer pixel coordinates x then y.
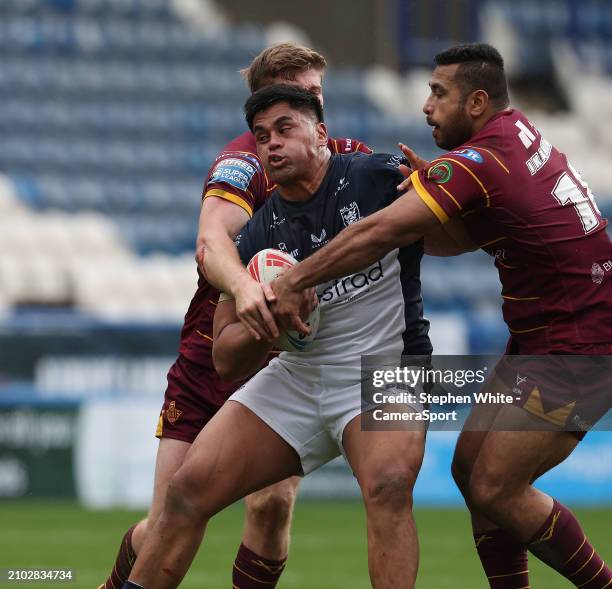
{"type": "Point", "coordinates": [217, 256]}
{"type": "Point", "coordinates": [354, 248]}
{"type": "Point", "coordinates": [236, 353]}
{"type": "Point", "coordinates": [450, 239]}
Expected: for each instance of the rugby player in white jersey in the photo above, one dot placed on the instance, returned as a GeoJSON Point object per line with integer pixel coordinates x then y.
{"type": "Point", "coordinates": [305, 408]}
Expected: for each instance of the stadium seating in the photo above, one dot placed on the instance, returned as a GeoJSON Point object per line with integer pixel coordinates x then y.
{"type": "Point", "coordinates": [588, 25]}
{"type": "Point", "coordinates": [112, 113]}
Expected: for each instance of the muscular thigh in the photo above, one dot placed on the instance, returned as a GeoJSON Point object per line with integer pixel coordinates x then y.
{"type": "Point", "coordinates": [479, 422]}
{"type": "Point", "coordinates": [515, 458]}
{"type": "Point", "coordinates": [234, 455]}
{"type": "Point", "coordinates": [370, 453]}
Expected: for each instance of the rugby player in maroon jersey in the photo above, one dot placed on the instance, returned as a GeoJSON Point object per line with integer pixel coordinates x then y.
{"type": "Point", "coordinates": [506, 189]}
{"type": "Point", "coordinates": [236, 186]}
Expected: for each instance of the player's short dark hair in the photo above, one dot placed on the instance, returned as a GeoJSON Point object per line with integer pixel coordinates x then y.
{"type": "Point", "coordinates": [297, 98]}
{"type": "Point", "coordinates": [481, 67]}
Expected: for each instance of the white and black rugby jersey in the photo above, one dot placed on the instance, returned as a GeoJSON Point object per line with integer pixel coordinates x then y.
{"type": "Point", "coordinates": [376, 311]}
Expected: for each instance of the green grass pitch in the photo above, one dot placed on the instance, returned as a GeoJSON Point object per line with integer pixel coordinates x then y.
{"type": "Point", "coordinates": [328, 546]}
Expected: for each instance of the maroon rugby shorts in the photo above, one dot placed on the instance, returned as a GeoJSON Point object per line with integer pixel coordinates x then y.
{"type": "Point", "coordinates": [194, 394]}
{"type": "Point", "coordinates": [570, 391]}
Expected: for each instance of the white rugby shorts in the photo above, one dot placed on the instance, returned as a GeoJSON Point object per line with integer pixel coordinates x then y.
{"type": "Point", "coordinates": [307, 406]}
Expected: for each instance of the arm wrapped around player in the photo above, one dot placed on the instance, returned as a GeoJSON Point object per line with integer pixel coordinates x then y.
{"type": "Point", "coordinates": [450, 239]}
{"type": "Point", "coordinates": [236, 353]}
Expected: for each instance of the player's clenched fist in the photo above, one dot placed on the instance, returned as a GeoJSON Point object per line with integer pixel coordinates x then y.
{"type": "Point", "coordinates": [252, 300]}
{"type": "Point", "coordinates": [290, 307]}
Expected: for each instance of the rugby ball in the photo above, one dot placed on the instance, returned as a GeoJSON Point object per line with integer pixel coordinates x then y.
{"type": "Point", "coordinates": [264, 267]}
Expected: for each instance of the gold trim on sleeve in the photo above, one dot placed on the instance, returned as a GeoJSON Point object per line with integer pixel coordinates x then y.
{"type": "Point", "coordinates": [224, 194]}
{"type": "Point", "coordinates": [429, 200]}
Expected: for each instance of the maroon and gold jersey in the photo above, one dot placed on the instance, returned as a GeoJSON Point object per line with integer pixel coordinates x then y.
{"type": "Point", "coordinates": [236, 175]}
{"type": "Point", "coordinates": [524, 204]}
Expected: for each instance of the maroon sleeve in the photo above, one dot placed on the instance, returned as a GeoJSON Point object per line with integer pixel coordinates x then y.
{"type": "Point", "coordinates": [457, 180]}
{"type": "Point", "coordinates": [239, 178]}
{"type": "Point", "coordinates": [347, 145]}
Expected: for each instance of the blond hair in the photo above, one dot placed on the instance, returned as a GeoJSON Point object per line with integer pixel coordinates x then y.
{"type": "Point", "coordinates": [283, 60]}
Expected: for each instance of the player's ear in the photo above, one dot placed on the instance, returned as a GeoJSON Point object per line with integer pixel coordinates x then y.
{"type": "Point", "coordinates": [321, 131]}
{"type": "Point", "coordinates": [478, 101]}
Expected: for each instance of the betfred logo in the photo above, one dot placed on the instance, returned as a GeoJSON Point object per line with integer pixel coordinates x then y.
{"type": "Point", "coordinates": [607, 266]}
{"type": "Point", "coordinates": [470, 154]}
{"type": "Point", "coordinates": [354, 282]}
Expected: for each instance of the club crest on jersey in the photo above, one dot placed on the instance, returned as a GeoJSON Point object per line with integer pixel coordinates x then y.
{"type": "Point", "coordinates": [172, 413]}
{"type": "Point", "coordinates": [440, 173]}
{"type": "Point", "coordinates": [233, 171]}
{"type": "Point", "coordinates": [395, 160]}
{"type": "Point", "coordinates": [470, 154]}
{"type": "Point", "coordinates": [350, 214]}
